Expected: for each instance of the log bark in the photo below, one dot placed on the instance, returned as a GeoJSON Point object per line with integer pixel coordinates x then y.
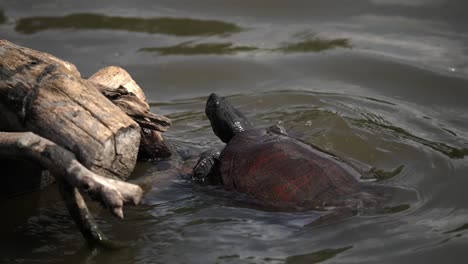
{"type": "Point", "coordinates": [113, 77]}
{"type": "Point", "coordinates": [45, 95]}
{"type": "Point", "coordinates": [119, 87]}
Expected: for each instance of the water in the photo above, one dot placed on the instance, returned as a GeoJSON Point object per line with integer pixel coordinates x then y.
{"type": "Point", "coordinates": [382, 83]}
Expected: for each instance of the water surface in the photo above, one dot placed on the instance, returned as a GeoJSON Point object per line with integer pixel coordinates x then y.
{"type": "Point", "coordinates": [382, 83]}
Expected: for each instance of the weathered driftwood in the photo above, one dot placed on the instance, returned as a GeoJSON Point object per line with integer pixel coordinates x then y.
{"type": "Point", "coordinates": [45, 95]}
{"type": "Point", "coordinates": [119, 87]}
{"type": "Point", "coordinates": [113, 194]}
{"type": "Point", "coordinates": [84, 220]}
{"type": "Point", "coordinates": [72, 176]}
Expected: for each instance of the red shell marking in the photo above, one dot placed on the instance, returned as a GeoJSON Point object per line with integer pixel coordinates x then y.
{"type": "Point", "coordinates": [284, 172]}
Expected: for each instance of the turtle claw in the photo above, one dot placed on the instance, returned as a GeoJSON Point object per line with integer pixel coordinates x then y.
{"type": "Point", "coordinates": [202, 171]}
{"type": "Point", "coordinates": [278, 129]}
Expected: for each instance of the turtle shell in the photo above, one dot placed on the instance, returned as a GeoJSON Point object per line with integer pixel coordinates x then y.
{"type": "Point", "coordinates": [284, 172]}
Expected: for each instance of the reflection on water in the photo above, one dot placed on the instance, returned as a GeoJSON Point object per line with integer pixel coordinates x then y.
{"type": "Point", "coordinates": [458, 229]}
{"type": "Point", "coordinates": [395, 209]}
{"type": "Point", "coordinates": [407, 3]}
{"type": "Point", "coordinates": [309, 258]}
{"type": "Point", "coordinates": [391, 102]}
{"type": "Point", "coordinates": [162, 25]}
{"type": "Point", "coordinates": [317, 256]}
{"type": "Point", "coordinates": [451, 152]}
{"type": "Point", "coordinates": [369, 121]}
{"type": "Point", "coordinates": [385, 175]}
{"type": "Point", "coordinates": [188, 48]}
{"type": "Point", "coordinates": [378, 100]}
{"type": "Point", "coordinates": [3, 17]}
{"type": "Point", "coordinates": [310, 45]}
{"type": "Point", "coordinates": [315, 44]}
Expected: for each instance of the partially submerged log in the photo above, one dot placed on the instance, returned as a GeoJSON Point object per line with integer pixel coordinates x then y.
{"type": "Point", "coordinates": [118, 86]}
{"type": "Point", "coordinates": [45, 95]}
{"type": "Point", "coordinates": [80, 133]}
{"type": "Point", "coordinates": [113, 194]}
{"type": "Point", "coordinates": [73, 177]}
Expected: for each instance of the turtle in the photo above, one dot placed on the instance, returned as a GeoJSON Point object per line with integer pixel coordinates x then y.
{"type": "Point", "coordinates": [275, 169]}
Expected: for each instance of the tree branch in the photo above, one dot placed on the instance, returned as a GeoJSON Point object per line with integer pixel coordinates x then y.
{"type": "Point", "coordinates": [112, 194]}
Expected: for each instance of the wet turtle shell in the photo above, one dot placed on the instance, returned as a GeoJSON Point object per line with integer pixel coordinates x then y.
{"type": "Point", "coordinates": [276, 169]}
{"type": "Point", "coordinates": [284, 172]}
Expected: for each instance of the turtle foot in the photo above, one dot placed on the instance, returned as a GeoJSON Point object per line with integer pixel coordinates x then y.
{"type": "Point", "coordinates": [203, 172]}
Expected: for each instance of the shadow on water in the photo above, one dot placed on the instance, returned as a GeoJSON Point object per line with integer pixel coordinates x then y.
{"type": "Point", "coordinates": [161, 25]}
{"type": "Point", "coordinates": [187, 48]}
{"type": "Point", "coordinates": [3, 17]}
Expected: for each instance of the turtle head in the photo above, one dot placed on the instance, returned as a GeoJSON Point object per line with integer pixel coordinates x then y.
{"type": "Point", "coordinates": [225, 119]}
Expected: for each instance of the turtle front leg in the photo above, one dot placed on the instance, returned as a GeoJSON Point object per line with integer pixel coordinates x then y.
{"type": "Point", "coordinates": [205, 171]}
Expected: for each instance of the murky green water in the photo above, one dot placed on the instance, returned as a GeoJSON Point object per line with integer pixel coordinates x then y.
{"type": "Point", "coordinates": [382, 83]}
